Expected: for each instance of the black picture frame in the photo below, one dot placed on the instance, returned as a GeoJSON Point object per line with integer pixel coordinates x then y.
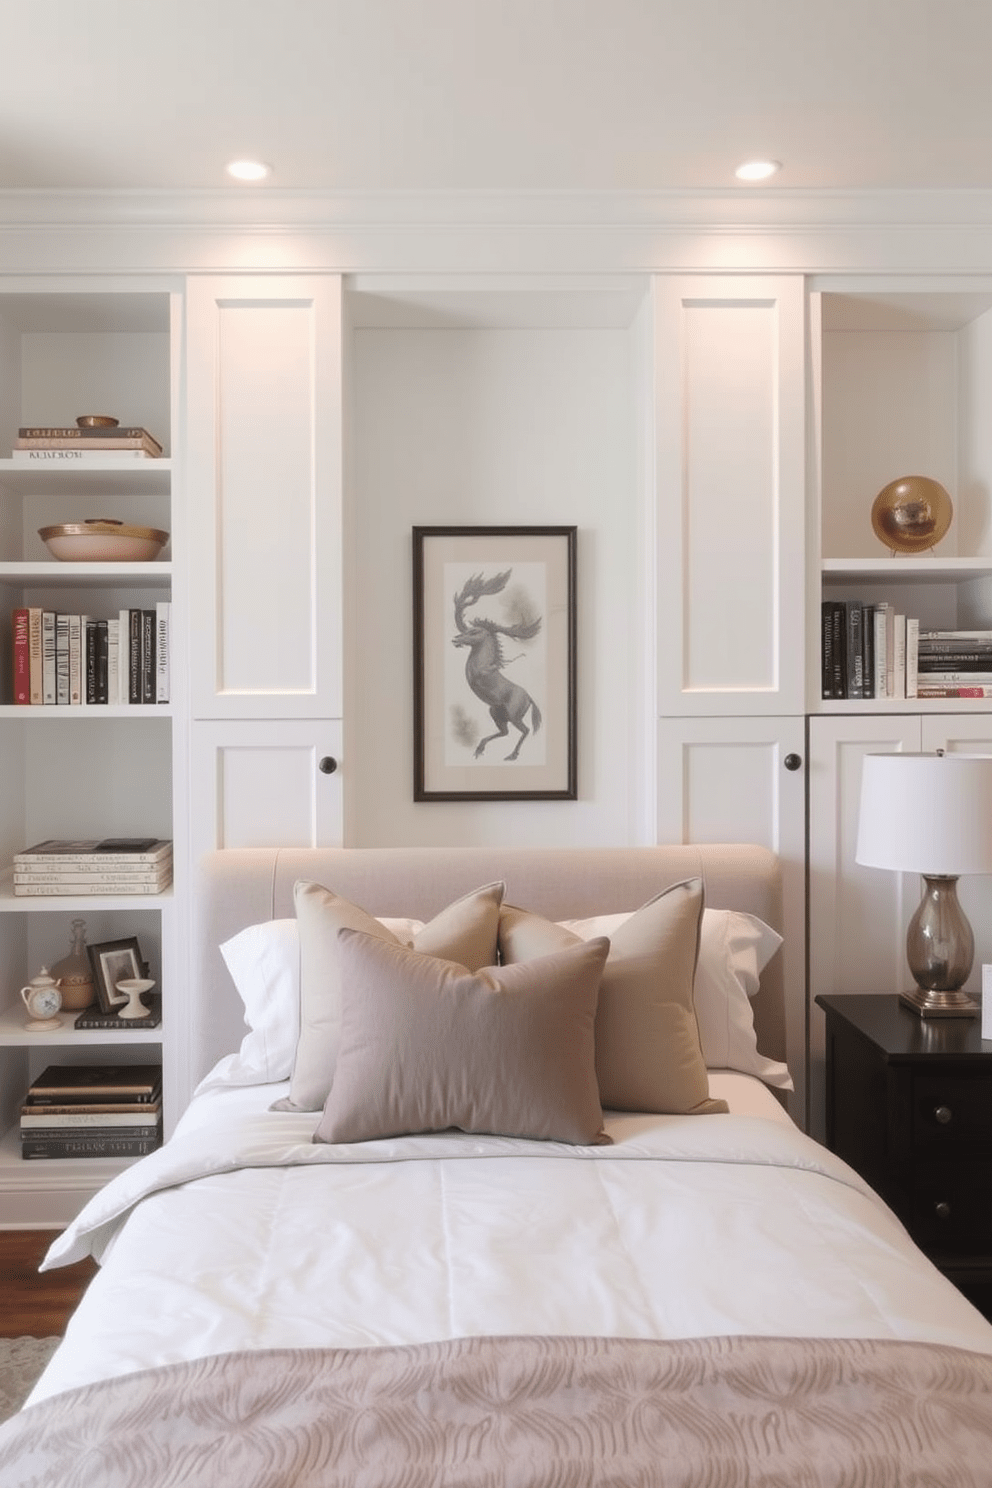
{"type": "Point", "coordinates": [494, 664]}
{"type": "Point", "coordinates": [112, 961]}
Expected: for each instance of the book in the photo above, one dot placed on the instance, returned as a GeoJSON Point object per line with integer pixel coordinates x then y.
{"type": "Point", "coordinates": [855, 651]}
{"type": "Point", "coordinates": [76, 658]}
{"type": "Point", "coordinates": [87, 434]}
{"type": "Point", "coordinates": [80, 456]}
{"type": "Point", "coordinates": [898, 657]}
{"type": "Point", "coordinates": [92, 1111]}
{"type": "Point", "coordinates": [99, 850]}
{"type": "Point", "coordinates": [163, 676]}
{"type": "Point", "coordinates": [956, 661]}
{"type": "Point", "coordinates": [133, 1122]}
{"type": "Point", "coordinates": [97, 1081]}
{"type": "Point", "coordinates": [87, 444]}
{"type": "Point", "coordinates": [134, 657]}
{"type": "Point", "coordinates": [157, 877]}
{"type": "Point", "coordinates": [61, 659]}
{"type": "Point", "coordinates": [982, 690]}
{"type": "Point", "coordinates": [34, 652]}
{"type": "Point", "coordinates": [48, 657]}
{"type": "Point", "coordinates": [99, 868]}
{"type": "Point", "coordinates": [826, 649]}
{"type": "Point", "coordinates": [38, 1148]}
{"type": "Point", "coordinates": [118, 886]}
{"type": "Point", "coordinates": [91, 1017]}
{"type": "Point", "coordinates": [21, 657]}
{"type": "Point", "coordinates": [148, 662]}
{"type": "Point", "coordinates": [881, 642]}
{"type": "Point", "coordinates": [113, 660]}
{"type": "Point", "coordinates": [912, 655]}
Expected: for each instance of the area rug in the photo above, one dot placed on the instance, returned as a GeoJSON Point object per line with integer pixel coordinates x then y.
{"type": "Point", "coordinates": [21, 1362]}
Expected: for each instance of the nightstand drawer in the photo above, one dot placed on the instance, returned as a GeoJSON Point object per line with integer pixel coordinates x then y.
{"type": "Point", "coordinates": [951, 1107]}
{"type": "Point", "coordinates": [952, 1208]}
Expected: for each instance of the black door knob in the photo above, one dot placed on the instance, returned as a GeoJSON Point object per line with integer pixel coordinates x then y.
{"type": "Point", "coordinates": [792, 761]}
{"type": "Point", "coordinates": [328, 764]}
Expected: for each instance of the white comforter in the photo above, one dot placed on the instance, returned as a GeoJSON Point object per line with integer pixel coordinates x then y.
{"type": "Point", "coordinates": [242, 1233]}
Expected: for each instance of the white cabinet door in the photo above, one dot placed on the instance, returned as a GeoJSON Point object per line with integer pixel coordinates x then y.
{"type": "Point", "coordinates": [743, 780]}
{"type": "Point", "coordinates": [271, 784]}
{"type": "Point", "coordinates": [730, 469]}
{"type": "Point", "coordinates": [264, 474]}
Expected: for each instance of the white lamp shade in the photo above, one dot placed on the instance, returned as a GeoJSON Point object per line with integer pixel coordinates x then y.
{"type": "Point", "coordinates": [926, 813]}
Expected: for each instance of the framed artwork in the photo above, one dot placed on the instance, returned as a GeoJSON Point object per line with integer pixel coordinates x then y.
{"type": "Point", "coordinates": [112, 962]}
{"type": "Point", "coordinates": [494, 664]}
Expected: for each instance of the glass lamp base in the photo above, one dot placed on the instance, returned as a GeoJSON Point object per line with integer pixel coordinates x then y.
{"type": "Point", "coordinates": [940, 1004]}
{"type": "Point", "coordinates": [940, 949]}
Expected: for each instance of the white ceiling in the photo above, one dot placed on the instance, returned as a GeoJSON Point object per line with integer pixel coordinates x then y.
{"type": "Point", "coordinates": [422, 95]}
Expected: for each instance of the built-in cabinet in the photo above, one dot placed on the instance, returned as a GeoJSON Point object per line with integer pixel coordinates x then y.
{"type": "Point", "coordinates": [717, 439]}
{"type": "Point", "coordinates": [71, 348]}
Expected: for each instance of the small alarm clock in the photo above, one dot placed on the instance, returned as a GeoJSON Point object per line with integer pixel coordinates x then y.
{"type": "Point", "coordinates": [43, 1000]}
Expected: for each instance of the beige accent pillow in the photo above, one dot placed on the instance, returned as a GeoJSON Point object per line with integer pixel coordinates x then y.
{"type": "Point", "coordinates": [427, 1045]}
{"type": "Point", "coordinates": [464, 932]}
{"type": "Point", "coordinates": [648, 1054]}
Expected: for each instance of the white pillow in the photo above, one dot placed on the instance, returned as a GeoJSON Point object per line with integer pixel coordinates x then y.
{"type": "Point", "coordinates": [734, 950]}
{"type": "Point", "coordinates": [264, 962]}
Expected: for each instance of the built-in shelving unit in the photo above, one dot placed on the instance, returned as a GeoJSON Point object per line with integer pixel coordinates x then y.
{"type": "Point", "coordinates": [90, 770]}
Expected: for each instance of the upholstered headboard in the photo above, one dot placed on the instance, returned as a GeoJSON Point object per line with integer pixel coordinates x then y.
{"type": "Point", "coordinates": [241, 887]}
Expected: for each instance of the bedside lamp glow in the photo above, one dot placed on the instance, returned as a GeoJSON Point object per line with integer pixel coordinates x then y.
{"type": "Point", "coordinates": [931, 814]}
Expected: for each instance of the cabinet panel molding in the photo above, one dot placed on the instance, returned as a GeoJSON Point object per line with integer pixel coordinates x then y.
{"type": "Point", "coordinates": [726, 780]}
{"type": "Point", "coordinates": [730, 419]}
{"type": "Point", "coordinates": [260, 784]}
{"type": "Point", "coordinates": [265, 482]}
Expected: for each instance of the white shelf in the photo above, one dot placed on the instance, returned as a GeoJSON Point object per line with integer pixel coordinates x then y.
{"type": "Point", "coordinates": [148, 477]}
{"type": "Point", "coordinates": [36, 712]}
{"type": "Point", "coordinates": [13, 1033]}
{"type": "Point", "coordinates": [88, 575]}
{"type": "Point", "coordinates": [887, 569]}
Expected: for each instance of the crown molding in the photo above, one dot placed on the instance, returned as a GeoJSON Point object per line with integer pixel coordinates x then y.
{"type": "Point", "coordinates": [560, 232]}
{"type": "Point", "coordinates": [266, 209]}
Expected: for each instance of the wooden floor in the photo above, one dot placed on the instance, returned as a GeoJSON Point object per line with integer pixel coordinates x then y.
{"type": "Point", "coordinates": [33, 1304]}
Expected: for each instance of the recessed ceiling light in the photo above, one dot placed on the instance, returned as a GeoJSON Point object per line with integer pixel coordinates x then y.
{"type": "Point", "coordinates": [248, 170]}
{"type": "Point", "coordinates": [757, 170]}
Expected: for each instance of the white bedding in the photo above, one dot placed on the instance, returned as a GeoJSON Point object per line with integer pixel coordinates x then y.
{"type": "Point", "coordinates": [242, 1233]}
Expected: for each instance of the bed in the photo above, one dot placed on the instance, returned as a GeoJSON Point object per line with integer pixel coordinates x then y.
{"type": "Point", "coordinates": [537, 1220]}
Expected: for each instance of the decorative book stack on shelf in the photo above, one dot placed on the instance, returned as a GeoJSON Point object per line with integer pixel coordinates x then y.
{"type": "Point", "coordinates": [868, 651]}
{"type": "Point", "coordinates": [955, 664]}
{"type": "Point", "coordinates": [64, 659]}
{"type": "Point", "coordinates": [113, 865]}
{"type": "Point", "coordinates": [93, 1110]}
{"type": "Point", "coordinates": [68, 444]}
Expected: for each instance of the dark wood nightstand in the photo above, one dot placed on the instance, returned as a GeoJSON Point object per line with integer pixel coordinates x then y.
{"type": "Point", "coordinates": [909, 1106]}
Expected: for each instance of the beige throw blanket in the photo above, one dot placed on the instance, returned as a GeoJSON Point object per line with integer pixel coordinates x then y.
{"type": "Point", "coordinates": [525, 1413]}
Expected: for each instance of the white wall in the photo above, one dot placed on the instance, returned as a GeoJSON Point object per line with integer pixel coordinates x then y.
{"type": "Point", "coordinates": [492, 427]}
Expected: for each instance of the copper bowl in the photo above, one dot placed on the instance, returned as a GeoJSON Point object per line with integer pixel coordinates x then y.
{"type": "Point", "coordinates": [103, 541]}
{"type": "Point", "coordinates": [97, 421]}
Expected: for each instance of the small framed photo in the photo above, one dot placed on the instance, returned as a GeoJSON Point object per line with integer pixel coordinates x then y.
{"type": "Point", "coordinates": [113, 961]}
{"type": "Point", "coordinates": [494, 664]}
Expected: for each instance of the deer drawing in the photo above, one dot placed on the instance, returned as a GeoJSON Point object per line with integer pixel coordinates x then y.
{"type": "Point", "coordinates": [507, 702]}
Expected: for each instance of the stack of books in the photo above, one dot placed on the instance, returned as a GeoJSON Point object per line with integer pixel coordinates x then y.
{"type": "Point", "coordinates": [62, 659]}
{"type": "Point", "coordinates": [69, 444]}
{"type": "Point", "coordinates": [954, 664]}
{"type": "Point", "coordinates": [109, 865]}
{"type": "Point", "coordinates": [93, 1110]}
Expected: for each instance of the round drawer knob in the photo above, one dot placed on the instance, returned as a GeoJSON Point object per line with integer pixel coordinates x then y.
{"type": "Point", "coordinates": [792, 761]}
{"type": "Point", "coordinates": [943, 1115]}
{"type": "Point", "coordinates": [328, 764]}
{"type": "Point", "coordinates": [942, 1209]}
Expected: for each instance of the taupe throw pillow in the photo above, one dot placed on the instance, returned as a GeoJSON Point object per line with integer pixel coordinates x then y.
{"type": "Point", "coordinates": [648, 1055]}
{"type": "Point", "coordinates": [427, 1045]}
{"type": "Point", "coordinates": [465, 932]}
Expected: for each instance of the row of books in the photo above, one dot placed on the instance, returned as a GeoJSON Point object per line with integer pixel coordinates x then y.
{"type": "Point", "coordinates": [62, 443]}
{"type": "Point", "coordinates": [62, 660]}
{"type": "Point", "coordinates": [92, 1110]}
{"type": "Point", "coordinates": [109, 865]}
{"type": "Point", "coordinates": [872, 651]}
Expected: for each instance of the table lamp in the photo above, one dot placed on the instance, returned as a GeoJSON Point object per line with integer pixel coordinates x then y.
{"type": "Point", "coordinates": [931, 814]}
